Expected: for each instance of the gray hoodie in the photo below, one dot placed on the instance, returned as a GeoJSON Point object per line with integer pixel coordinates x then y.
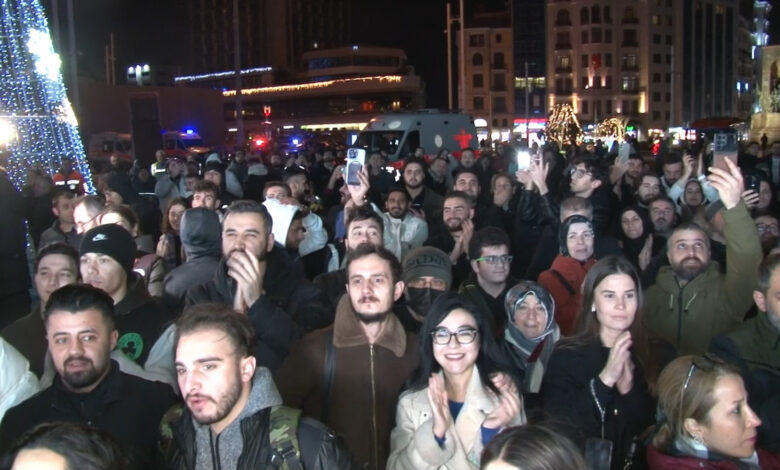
{"type": "Point", "coordinates": [229, 443]}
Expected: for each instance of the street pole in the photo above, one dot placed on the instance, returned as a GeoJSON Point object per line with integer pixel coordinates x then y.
{"type": "Point", "coordinates": [73, 67]}
{"type": "Point", "coordinates": [527, 117]}
{"type": "Point", "coordinates": [449, 56]}
{"type": "Point", "coordinates": [671, 101]}
{"type": "Point", "coordinates": [462, 79]}
{"type": "Point", "coordinates": [237, 65]}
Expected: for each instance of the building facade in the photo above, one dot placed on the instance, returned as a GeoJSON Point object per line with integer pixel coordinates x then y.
{"type": "Point", "coordinates": [530, 59]}
{"type": "Point", "coordinates": [615, 59]}
{"type": "Point", "coordinates": [488, 87]}
{"type": "Point", "coordinates": [271, 32]}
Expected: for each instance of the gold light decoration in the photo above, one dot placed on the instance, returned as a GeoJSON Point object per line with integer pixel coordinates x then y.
{"type": "Point", "coordinates": [563, 126]}
{"type": "Point", "coordinates": [614, 128]}
{"type": "Point", "coordinates": [315, 85]}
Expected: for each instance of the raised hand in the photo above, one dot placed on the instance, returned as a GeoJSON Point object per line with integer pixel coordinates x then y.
{"type": "Point", "coordinates": [729, 184]}
{"type": "Point", "coordinates": [750, 197]}
{"type": "Point", "coordinates": [162, 247]}
{"type": "Point", "coordinates": [510, 404]}
{"type": "Point", "coordinates": [358, 192]}
{"type": "Point", "coordinates": [539, 170]}
{"type": "Point", "coordinates": [626, 380]}
{"type": "Point", "coordinates": [248, 273]}
{"type": "Point", "coordinates": [437, 397]}
{"type": "Point", "coordinates": [647, 253]}
{"type": "Point", "coordinates": [618, 355]}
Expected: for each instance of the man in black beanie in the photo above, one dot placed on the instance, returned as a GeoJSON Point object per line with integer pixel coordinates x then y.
{"type": "Point", "coordinates": [427, 273]}
{"type": "Point", "coordinates": [106, 255]}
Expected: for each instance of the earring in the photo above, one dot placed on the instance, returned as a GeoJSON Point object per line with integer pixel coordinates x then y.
{"type": "Point", "coordinates": [593, 309]}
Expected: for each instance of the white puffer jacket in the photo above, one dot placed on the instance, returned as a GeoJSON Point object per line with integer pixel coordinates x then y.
{"type": "Point", "coordinates": [17, 383]}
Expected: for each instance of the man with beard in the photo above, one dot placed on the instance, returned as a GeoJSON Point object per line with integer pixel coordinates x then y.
{"type": "Point", "coordinates": [427, 273]}
{"type": "Point", "coordinates": [403, 230]}
{"type": "Point", "coordinates": [232, 417]}
{"type": "Point", "coordinates": [259, 280]}
{"type": "Point", "coordinates": [316, 236]}
{"type": "Point", "coordinates": [753, 348]}
{"type": "Point", "coordinates": [692, 301]}
{"type": "Point", "coordinates": [349, 375]}
{"type": "Point", "coordinates": [457, 215]}
{"type": "Point", "coordinates": [425, 202]}
{"type": "Point", "coordinates": [648, 188]}
{"type": "Point", "coordinates": [662, 215]}
{"type": "Point", "coordinates": [89, 388]}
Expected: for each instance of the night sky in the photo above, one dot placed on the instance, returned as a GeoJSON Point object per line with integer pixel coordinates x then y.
{"type": "Point", "coordinates": [154, 31]}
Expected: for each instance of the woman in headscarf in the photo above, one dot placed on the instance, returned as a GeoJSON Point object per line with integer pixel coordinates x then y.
{"type": "Point", "coordinates": [634, 234]}
{"type": "Point", "coordinates": [530, 334]}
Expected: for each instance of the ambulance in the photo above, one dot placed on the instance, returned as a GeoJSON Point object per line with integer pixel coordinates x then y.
{"type": "Point", "coordinates": [400, 134]}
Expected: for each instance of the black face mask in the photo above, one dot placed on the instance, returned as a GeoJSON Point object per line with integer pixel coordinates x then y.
{"type": "Point", "coordinates": [420, 299]}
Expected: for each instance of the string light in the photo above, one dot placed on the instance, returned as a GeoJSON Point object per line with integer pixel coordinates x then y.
{"type": "Point", "coordinates": [209, 76]}
{"type": "Point", "coordinates": [32, 96]}
{"type": "Point", "coordinates": [611, 128]}
{"type": "Point", "coordinates": [563, 126]}
{"type": "Point", "coordinates": [315, 85]}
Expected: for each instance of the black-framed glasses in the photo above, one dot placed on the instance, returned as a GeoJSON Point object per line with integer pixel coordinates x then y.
{"type": "Point", "coordinates": [442, 336]}
{"type": "Point", "coordinates": [495, 259]}
{"type": "Point", "coordinates": [578, 173]}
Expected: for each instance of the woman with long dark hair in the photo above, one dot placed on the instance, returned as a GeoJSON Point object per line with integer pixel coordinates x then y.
{"type": "Point", "coordinates": [169, 246]}
{"type": "Point", "coordinates": [461, 396]}
{"type": "Point", "coordinates": [599, 382]}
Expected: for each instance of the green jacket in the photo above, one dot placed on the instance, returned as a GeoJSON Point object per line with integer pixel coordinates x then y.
{"type": "Point", "coordinates": [711, 303]}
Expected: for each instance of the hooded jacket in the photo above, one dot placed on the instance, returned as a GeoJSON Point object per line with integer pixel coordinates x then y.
{"type": "Point", "coordinates": [245, 444]}
{"type": "Point", "coordinates": [288, 299]}
{"type": "Point", "coordinates": [367, 380]}
{"type": "Point", "coordinates": [530, 355]}
{"type": "Point", "coordinates": [282, 216]}
{"type": "Point", "coordinates": [754, 347]}
{"type": "Point", "coordinates": [201, 237]}
{"type": "Point", "coordinates": [711, 303]}
{"type": "Point", "coordinates": [140, 320]}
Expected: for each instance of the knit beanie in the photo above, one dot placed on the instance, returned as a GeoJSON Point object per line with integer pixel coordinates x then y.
{"type": "Point", "coordinates": [427, 261]}
{"type": "Point", "coordinates": [111, 240]}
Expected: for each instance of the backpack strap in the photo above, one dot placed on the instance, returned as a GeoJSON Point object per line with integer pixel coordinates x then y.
{"type": "Point", "coordinates": [283, 436]}
{"type": "Point", "coordinates": [564, 282]}
{"type": "Point", "coordinates": [327, 376]}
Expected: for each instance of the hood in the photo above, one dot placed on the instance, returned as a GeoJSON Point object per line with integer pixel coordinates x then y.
{"type": "Point", "coordinates": [201, 233]}
{"type": "Point", "coordinates": [257, 169]}
{"type": "Point", "coordinates": [281, 215]}
{"type": "Point", "coordinates": [213, 157]}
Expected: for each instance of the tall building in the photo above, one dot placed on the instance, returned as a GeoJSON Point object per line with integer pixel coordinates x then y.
{"type": "Point", "coordinates": [711, 65]}
{"type": "Point", "coordinates": [615, 58]}
{"type": "Point", "coordinates": [529, 58]}
{"type": "Point", "coordinates": [489, 85]}
{"type": "Point", "coordinates": [271, 32]}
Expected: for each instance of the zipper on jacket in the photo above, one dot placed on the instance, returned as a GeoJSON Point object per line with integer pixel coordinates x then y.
{"type": "Point", "coordinates": [375, 450]}
{"type": "Point", "coordinates": [214, 451]}
{"type": "Point", "coordinates": [679, 316]}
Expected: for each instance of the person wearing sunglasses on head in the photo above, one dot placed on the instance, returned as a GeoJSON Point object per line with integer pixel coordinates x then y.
{"type": "Point", "coordinates": [461, 396]}
{"type": "Point", "coordinates": [705, 420]}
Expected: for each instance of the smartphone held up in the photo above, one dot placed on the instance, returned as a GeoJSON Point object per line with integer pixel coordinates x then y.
{"type": "Point", "coordinates": [356, 160]}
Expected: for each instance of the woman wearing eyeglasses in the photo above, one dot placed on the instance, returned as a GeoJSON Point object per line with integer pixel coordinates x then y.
{"type": "Point", "coordinates": [460, 397]}
{"type": "Point", "coordinates": [596, 383]}
{"type": "Point", "coordinates": [564, 278]}
{"type": "Point", "coordinates": [705, 420]}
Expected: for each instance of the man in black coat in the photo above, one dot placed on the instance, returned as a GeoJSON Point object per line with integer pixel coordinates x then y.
{"type": "Point", "coordinates": [233, 418]}
{"type": "Point", "coordinates": [89, 387]}
{"type": "Point", "coordinates": [259, 280]}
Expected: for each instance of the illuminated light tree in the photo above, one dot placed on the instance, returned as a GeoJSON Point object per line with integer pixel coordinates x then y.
{"type": "Point", "coordinates": [32, 96]}
{"type": "Point", "coordinates": [613, 128]}
{"type": "Point", "coordinates": [563, 126]}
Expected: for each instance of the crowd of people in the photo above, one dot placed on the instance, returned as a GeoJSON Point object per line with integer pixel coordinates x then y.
{"type": "Point", "coordinates": [446, 311]}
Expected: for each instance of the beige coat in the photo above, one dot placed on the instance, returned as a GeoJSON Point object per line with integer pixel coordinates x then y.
{"type": "Point", "coordinates": [412, 443]}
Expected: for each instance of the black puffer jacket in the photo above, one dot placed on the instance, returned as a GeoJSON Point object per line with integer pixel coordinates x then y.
{"type": "Point", "coordinates": [291, 305]}
{"type": "Point", "coordinates": [320, 450]}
